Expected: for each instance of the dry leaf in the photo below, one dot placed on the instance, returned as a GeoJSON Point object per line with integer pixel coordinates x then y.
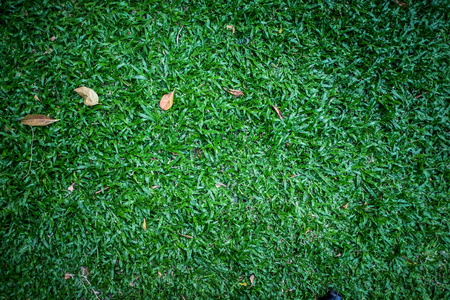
{"type": "Point", "coordinates": [186, 236]}
{"type": "Point", "coordinates": [70, 188]}
{"type": "Point", "coordinates": [345, 206]}
{"type": "Point", "coordinates": [337, 255]}
{"type": "Point", "coordinates": [68, 276]}
{"type": "Point", "coordinates": [36, 97]}
{"type": "Point", "coordinates": [25, 13]}
{"type": "Point", "coordinates": [281, 30]}
{"type": "Point", "coordinates": [106, 188]}
{"type": "Point", "coordinates": [252, 279]}
{"type": "Point", "coordinates": [53, 38]}
{"type": "Point", "coordinates": [155, 186]}
{"type": "Point", "coordinates": [243, 283]}
{"type": "Point", "coordinates": [420, 95]}
{"type": "Point", "coordinates": [159, 274]}
{"type": "Point", "coordinates": [231, 27]}
{"type": "Point", "coordinates": [144, 225]}
{"type": "Point", "coordinates": [234, 92]}
{"type": "Point", "coordinates": [401, 3]}
{"type": "Point", "coordinates": [277, 110]}
{"type": "Point", "coordinates": [37, 120]}
{"type": "Point", "coordinates": [220, 184]}
{"type": "Point", "coordinates": [167, 100]}
{"type": "Point", "coordinates": [89, 95]}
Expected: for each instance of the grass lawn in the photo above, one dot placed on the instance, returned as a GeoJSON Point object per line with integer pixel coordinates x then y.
{"type": "Point", "coordinates": [350, 190]}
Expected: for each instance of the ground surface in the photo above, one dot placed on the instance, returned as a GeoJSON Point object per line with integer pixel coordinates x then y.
{"type": "Point", "coordinates": [349, 190]}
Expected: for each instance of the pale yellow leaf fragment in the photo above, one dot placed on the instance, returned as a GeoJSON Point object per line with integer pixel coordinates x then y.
{"type": "Point", "coordinates": [89, 95]}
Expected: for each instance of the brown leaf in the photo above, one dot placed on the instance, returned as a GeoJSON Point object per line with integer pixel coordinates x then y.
{"type": "Point", "coordinates": [37, 120]}
{"type": "Point", "coordinates": [401, 3]}
{"type": "Point", "coordinates": [100, 191]}
{"type": "Point", "coordinates": [234, 92]}
{"type": "Point", "coordinates": [231, 27]}
{"type": "Point", "coordinates": [338, 255]}
{"type": "Point", "coordinates": [68, 276]}
{"type": "Point", "coordinates": [70, 188]}
{"type": "Point", "coordinates": [220, 184]}
{"type": "Point", "coordinates": [345, 206]}
{"type": "Point", "coordinates": [144, 225]}
{"type": "Point", "coordinates": [159, 274]}
{"type": "Point", "coordinates": [167, 100]}
{"type": "Point", "coordinates": [186, 236]}
{"type": "Point", "coordinates": [89, 95]}
{"type": "Point", "coordinates": [252, 279]}
{"type": "Point", "coordinates": [277, 110]}
{"type": "Point", "coordinates": [25, 13]}
{"type": "Point", "coordinates": [155, 186]}
{"type": "Point", "coordinates": [53, 38]}
{"type": "Point", "coordinates": [37, 98]}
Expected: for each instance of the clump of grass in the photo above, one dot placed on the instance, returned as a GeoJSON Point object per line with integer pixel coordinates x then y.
{"type": "Point", "coordinates": [363, 89]}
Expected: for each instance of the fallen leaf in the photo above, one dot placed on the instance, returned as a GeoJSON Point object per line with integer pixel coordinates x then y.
{"type": "Point", "coordinates": [159, 274]}
{"type": "Point", "coordinates": [234, 92]}
{"type": "Point", "coordinates": [89, 95]}
{"type": "Point", "coordinates": [167, 100]}
{"type": "Point", "coordinates": [231, 27]}
{"type": "Point", "coordinates": [25, 13]}
{"type": "Point", "coordinates": [53, 38]}
{"type": "Point", "coordinates": [155, 186]}
{"type": "Point", "coordinates": [281, 30]}
{"type": "Point", "coordinates": [186, 236]}
{"type": "Point", "coordinates": [401, 3]}
{"type": "Point", "coordinates": [337, 255]}
{"type": "Point", "coordinates": [37, 120]}
{"type": "Point", "coordinates": [70, 188]}
{"type": "Point", "coordinates": [242, 278]}
{"type": "Point", "coordinates": [243, 283]}
{"type": "Point", "coordinates": [252, 279]}
{"type": "Point", "coordinates": [68, 276]}
{"type": "Point", "coordinates": [37, 98]}
{"type": "Point", "coordinates": [144, 225]}
{"type": "Point", "coordinates": [345, 206]}
{"type": "Point", "coordinates": [277, 110]}
{"type": "Point", "coordinates": [106, 188]}
{"type": "Point", "coordinates": [220, 184]}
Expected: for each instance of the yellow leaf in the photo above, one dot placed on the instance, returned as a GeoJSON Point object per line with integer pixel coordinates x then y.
{"type": "Point", "coordinates": [37, 120]}
{"type": "Point", "coordinates": [167, 100]}
{"type": "Point", "coordinates": [144, 225]}
{"type": "Point", "coordinates": [281, 30]}
{"type": "Point", "coordinates": [243, 283]}
{"type": "Point", "coordinates": [89, 95]}
{"type": "Point", "coordinates": [231, 27]}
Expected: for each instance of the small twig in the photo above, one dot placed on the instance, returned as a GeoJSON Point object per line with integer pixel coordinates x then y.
{"type": "Point", "coordinates": [102, 190]}
{"type": "Point", "coordinates": [178, 35]}
{"type": "Point", "coordinates": [31, 159]}
{"type": "Point", "coordinates": [186, 236]}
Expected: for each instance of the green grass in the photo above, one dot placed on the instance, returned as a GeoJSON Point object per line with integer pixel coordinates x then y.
{"type": "Point", "coordinates": [346, 76]}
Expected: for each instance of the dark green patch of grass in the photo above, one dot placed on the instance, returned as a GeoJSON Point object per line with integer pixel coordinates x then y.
{"type": "Point", "coordinates": [346, 76]}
